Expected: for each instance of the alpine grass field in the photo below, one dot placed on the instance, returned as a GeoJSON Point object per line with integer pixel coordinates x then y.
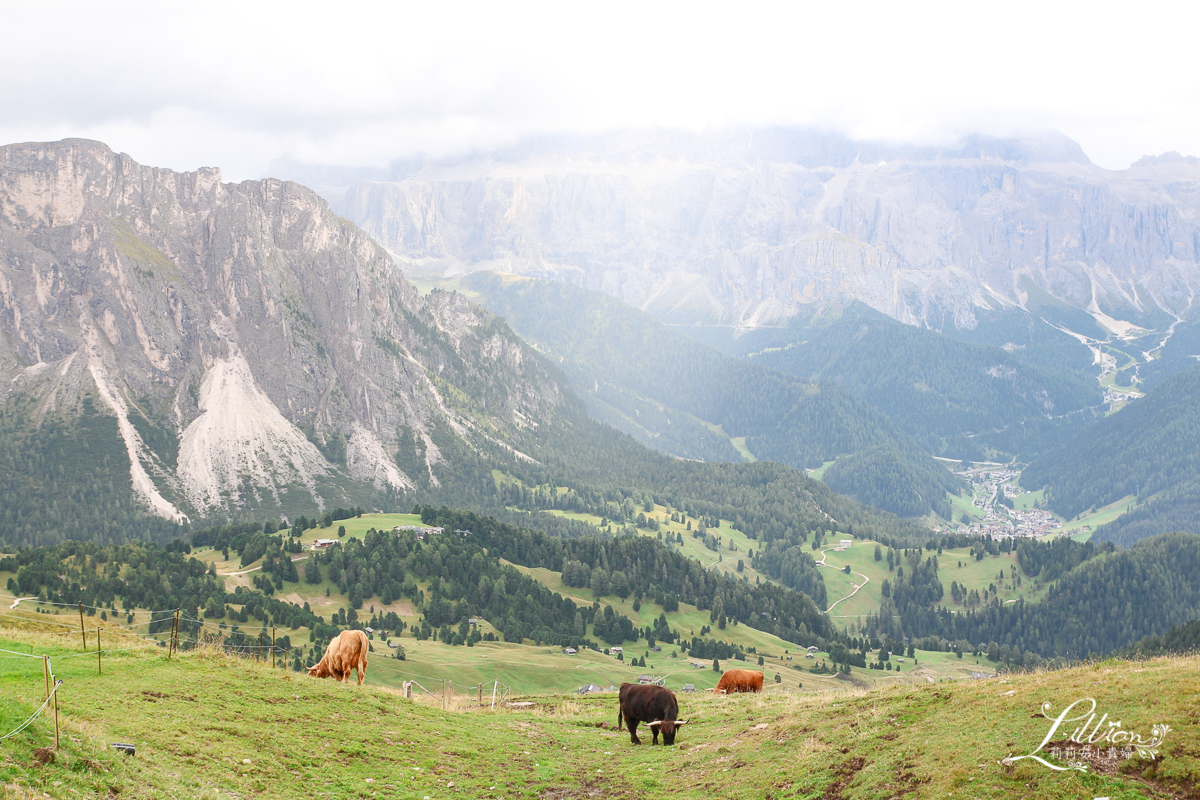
{"type": "Point", "coordinates": [211, 725]}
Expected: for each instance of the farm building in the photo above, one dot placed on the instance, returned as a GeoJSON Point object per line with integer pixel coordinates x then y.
{"type": "Point", "coordinates": [591, 688]}
{"type": "Point", "coordinates": [321, 544]}
{"type": "Point", "coordinates": [615, 650]}
{"type": "Point", "coordinates": [421, 531]}
{"type": "Point", "coordinates": [689, 687]}
{"type": "Point", "coordinates": [569, 651]}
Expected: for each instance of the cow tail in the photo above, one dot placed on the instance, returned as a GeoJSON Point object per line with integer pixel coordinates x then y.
{"type": "Point", "coordinates": [620, 717]}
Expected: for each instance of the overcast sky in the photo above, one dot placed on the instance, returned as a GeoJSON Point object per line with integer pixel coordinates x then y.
{"type": "Point", "coordinates": [237, 85]}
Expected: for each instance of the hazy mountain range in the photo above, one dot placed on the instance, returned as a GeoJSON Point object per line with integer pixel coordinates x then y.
{"type": "Point", "coordinates": [753, 227]}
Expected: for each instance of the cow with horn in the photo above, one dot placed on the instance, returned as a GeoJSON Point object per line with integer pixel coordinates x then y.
{"type": "Point", "coordinates": [654, 705]}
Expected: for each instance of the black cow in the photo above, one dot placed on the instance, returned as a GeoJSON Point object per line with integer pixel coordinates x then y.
{"type": "Point", "coordinates": [654, 705]}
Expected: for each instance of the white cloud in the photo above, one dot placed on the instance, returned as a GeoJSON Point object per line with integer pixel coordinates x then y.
{"type": "Point", "coordinates": [239, 84]}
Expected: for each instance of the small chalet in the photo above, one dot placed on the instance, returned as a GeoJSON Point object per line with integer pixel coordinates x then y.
{"type": "Point", "coordinates": [569, 651]}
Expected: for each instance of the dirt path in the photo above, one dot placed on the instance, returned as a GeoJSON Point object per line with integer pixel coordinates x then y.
{"type": "Point", "coordinates": [865, 581]}
{"type": "Point", "coordinates": [245, 571]}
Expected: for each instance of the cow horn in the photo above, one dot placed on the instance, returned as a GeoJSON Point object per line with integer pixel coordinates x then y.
{"type": "Point", "coordinates": [679, 722]}
{"type": "Point", "coordinates": [656, 722]}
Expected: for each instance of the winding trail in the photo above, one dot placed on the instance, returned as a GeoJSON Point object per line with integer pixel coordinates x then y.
{"type": "Point", "coordinates": [254, 569]}
{"type": "Point", "coordinates": [865, 580]}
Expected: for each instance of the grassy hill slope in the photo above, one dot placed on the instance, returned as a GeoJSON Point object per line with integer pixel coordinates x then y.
{"type": "Point", "coordinates": [207, 725]}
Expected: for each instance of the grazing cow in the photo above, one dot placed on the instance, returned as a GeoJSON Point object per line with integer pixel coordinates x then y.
{"type": "Point", "coordinates": [654, 705]}
{"type": "Point", "coordinates": [739, 680]}
{"type": "Point", "coordinates": [348, 651]}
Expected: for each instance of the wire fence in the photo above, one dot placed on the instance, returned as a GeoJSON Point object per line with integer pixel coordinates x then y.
{"type": "Point", "coordinates": [188, 633]}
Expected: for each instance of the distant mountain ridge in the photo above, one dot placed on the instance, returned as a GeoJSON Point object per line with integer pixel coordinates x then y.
{"type": "Point", "coordinates": [748, 227]}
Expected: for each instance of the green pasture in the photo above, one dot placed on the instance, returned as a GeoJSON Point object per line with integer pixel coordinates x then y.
{"type": "Point", "coordinates": [1081, 527]}
{"type": "Point", "coordinates": [1027, 500]}
{"type": "Point", "coordinates": [964, 504]}
{"type": "Point", "coordinates": [208, 725]}
{"type": "Point", "coordinates": [819, 472]}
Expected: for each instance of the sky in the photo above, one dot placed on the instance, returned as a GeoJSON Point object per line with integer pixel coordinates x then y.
{"type": "Point", "coordinates": [239, 85]}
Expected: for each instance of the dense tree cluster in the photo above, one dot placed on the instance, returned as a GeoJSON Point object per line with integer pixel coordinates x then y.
{"type": "Point", "coordinates": [1048, 560]}
{"type": "Point", "coordinates": [97, 575]}
{"type": "Point", "coordinates": [63, 481]}
{"type": "Point", "coordinates": [952, 397]}
{"type": "Point", "coordinates": [885, 479]}
{"type": "Point", "coordinates": [1102, 605]}
{"type": "Point", "coordinates": [1179, 640]}
{"type": "Point", "coordinates": [651, 570]}
{"type": "Point", "coordinates": [1147, 447]}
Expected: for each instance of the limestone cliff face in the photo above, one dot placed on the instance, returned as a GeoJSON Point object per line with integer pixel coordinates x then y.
{"type": "Point", "coordinates": [271, 344]}
{"type": "Point", "coordinates": [752, 226]}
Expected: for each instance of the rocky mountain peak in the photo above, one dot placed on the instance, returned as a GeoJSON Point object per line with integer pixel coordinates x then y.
{"type": "Point", "coordinates": [249, 341]}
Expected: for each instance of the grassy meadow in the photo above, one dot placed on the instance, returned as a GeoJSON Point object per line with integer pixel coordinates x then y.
{"type": "Point", "coordinates": [210, 725]}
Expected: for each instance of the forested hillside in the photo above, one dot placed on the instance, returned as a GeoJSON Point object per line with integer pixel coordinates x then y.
{"type": "Point", "coordinates": [69, 479]}
{"type": "Point", "coordinates": [1149, 447]}
{"type": "Point", "coordinates": [1105, 604]}
{"type": "Point", "coordinates": [687, 399]}
{"type": "Point", "coordinates": [955, 399]}
{"type": "Point", "coordinates": [1178, 354]}
{"type": "Point", "coordinates": [644, 567]}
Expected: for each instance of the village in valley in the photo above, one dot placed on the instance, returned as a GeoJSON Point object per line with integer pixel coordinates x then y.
{"type": "Point", "coordinates": [999, 507]}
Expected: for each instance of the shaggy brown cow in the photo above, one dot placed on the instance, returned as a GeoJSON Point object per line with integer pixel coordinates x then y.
{"type": "Point", "coordinates": [654, 705]}
{"type": "Point", "coordinates": [739, 680]}
{"type": "Point", "coordinates": [348, 651]}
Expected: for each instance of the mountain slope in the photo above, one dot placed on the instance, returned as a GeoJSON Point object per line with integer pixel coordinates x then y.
{"type": "Point", "coordinates": [221, 351]}
{"type": "Point", "coordinates": [684, 398]}
{"type": "Point", "coordinates": [1149, 447]}
{"type": "Point", "coordinates": [253, 348]}
{"type": "Point", "coordinates": [956, 399]}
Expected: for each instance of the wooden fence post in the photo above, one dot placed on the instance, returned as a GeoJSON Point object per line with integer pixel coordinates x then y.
{"type": "Point", "coordinates": [56, 685]}
{"type": "Point", "coordinates": [174, 643]}
{"type": "Point", "coordinates": [46, 674]}
{"type": "Point", "coordinates": [495, 685]}
{"type": "Point", "coordinates": [99, 666]}
{"type": "Point", "coordinates": [82, 630]}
